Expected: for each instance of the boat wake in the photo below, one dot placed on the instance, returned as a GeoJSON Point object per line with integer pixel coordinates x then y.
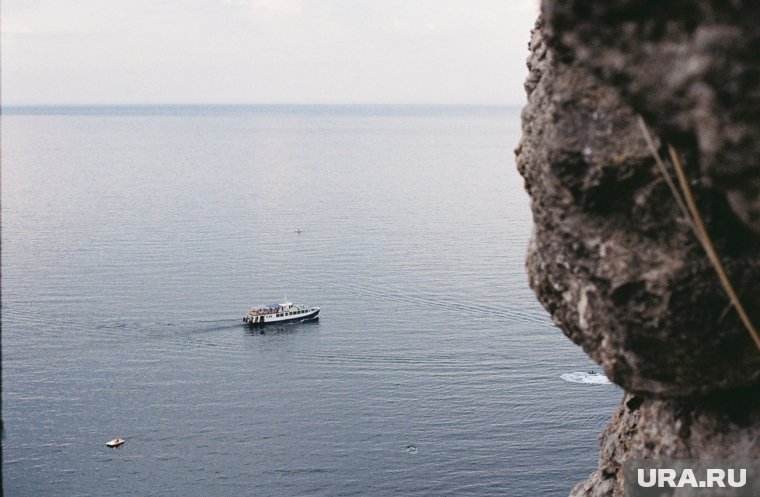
{"type": "Point", "coordinates": [589, 378]}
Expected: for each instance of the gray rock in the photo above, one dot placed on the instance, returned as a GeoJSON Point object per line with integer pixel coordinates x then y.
{"type": "Point", "coordinates": [612, 258]}
{"type": "Point", "coordinates": [690, 67]}
{"type": "Point", "coordinates": [725, 426]}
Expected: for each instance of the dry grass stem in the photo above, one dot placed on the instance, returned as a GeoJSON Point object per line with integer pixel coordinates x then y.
{"type": "Point", "coordinates": [707, 244]}
{"type": "Point", "coordinates": [688, 207]}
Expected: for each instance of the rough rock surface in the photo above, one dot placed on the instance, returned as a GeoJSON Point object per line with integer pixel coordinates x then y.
{"type": "Point", "coordinates": [725, 426]}
{"type": "Point", "coordinates": [612, 258]}
{"type": "Point", "coordinates": [691, 67]}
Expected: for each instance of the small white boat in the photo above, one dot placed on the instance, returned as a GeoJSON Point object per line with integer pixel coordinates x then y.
{"type": "Point", "coordinates": [589, 378]}
{"type": "Point", "coordinates": [280, 313]}
{"type": "Point", "coordinates": [116, 442]}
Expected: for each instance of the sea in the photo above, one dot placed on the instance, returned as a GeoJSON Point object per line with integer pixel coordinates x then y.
{"type": "Point", "coordinates": [134, 239]}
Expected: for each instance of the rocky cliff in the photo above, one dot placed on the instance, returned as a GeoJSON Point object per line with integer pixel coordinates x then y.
{"type": "Point", "coordinates": [612, 257]}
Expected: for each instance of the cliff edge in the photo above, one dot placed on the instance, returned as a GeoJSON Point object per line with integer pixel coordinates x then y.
{"type": "Point", "coordinates": [612, 257]}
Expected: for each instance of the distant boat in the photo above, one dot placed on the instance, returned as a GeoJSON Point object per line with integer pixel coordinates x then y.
{"type": "Point", "coordinates": [280, 313]}
{"type": "Point", "coordinates": [299, 231]}
{"type": "Point", "coordinates": [116, 442]}
{"type": "Point", "coordinates": [590, 378]}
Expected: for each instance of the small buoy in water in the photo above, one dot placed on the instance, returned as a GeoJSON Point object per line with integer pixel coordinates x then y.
{"type": "Point", "coordinates": [116, 442]}
{"type": "Point", "coordinates": [411, 449]}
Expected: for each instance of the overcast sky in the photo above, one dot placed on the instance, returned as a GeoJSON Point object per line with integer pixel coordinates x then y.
{"type": "Point", "coordinates": [264, 51]}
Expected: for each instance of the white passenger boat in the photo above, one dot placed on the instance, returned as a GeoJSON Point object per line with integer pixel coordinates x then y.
{"type": "Point", "coordinates": [280, 313]}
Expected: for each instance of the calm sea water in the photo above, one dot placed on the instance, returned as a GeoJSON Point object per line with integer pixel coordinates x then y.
{"type": "Point", "coordinates": [133, 240]}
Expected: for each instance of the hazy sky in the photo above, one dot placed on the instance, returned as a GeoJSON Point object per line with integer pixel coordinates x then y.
{"type": "Point", "coordinates": [264, 51]}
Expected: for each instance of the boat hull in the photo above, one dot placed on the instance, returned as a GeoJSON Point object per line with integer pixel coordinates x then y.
{"type": "Point", "coordinates": [251, 321]}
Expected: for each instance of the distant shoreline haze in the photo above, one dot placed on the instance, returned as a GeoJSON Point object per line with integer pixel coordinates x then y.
{"type": "Point", "coordinates": [104, 109]}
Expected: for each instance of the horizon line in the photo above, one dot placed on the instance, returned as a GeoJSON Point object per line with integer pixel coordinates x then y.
{"type": "Point", "coordinates": [258, 104]}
